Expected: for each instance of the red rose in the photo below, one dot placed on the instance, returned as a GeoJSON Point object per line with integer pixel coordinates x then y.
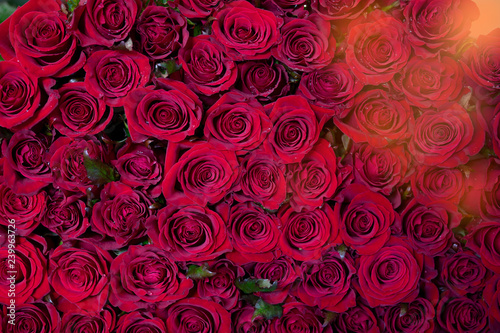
{"type": "Point", "coordinates": [208, 69]}
{"type": "Point", "coordinates": [79, 321]}
{"type": "Point", "coordinates": [144, 277]}
{"type": "Point", "coordinates": [357, 319]}
{"type": "Point", "coordinates": [244, 322]}
{"type": "Point", "coordinates": [438, 183]}
{"type": "Point", "coordinates": [419, 317]}
{"type": "Point", "coordinates": [111, 75]}
{"type": "Point", "coordinates": [463, 273]}
{"type": "Point", "coordinates": [300, 318]}
{"type": "Point", "coordinates": [285, 8]}
{"type": "Point", "coordinates": [161, 32]}
{"type": "Point", "coordinates": [484, 241]}
{"type": "Point", "coordinates": [488, 117]}
{"type": "Point", "coordinates": [137, 322]}
{"type": "Point", "coordinates": [307, 44]}
{"type": "Point", "coordinates": [246, 32]}
{"type": "Point", "coordinates": [198, 9]}
{"type": "Point", "coordinates": [38, 317]}
{"type": "Point", "coordinates": [376, 48]}
{"type": "Point", "coordinates": [491, 294]}
{"type": "Point", "coordinates": [80, 113]}
{"type": "Point", "coordinates": [190, 233]}
{"type": "Point", "coordinates": [338, 10]}
{"type": "Point", "coordinates": [105, 22]}
{"type": "Point", "coordinates": [167, 111]}
{"type": "Point", "coordinates": [462, 314]}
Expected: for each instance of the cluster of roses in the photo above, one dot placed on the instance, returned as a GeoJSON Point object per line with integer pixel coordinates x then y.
{"type": "Point", "coordinates": [267, 166]}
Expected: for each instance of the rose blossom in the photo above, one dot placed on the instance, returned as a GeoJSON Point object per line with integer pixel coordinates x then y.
{"type": "Point", "coordinates": [357, 319]}
{"type": "Point", "coordinates": [296, 316]}
{"type": "Point", "coordinates": [439, 183]}
{"type": "Point", "coordinates": [484, 240]}
{"type": "Point", "coordinates": [80, 321]}
{"type": "Point", "coordinates": [338, 10]}
{"type": "Point", "coordinates": [419, 317]}
{"type": "Point", "coordinates": [463, 273]}
{"type": "Point", "coordinates": [462, 314]}
{"type": "Point", "coordinates": [37, 317]}
{"type": "Point", "coordinates": [198, 9]}
{"type": "Point", "coordinates": [140, 322]}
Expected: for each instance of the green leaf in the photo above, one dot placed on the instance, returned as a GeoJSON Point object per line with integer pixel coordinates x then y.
{"type": "Point", "coordinates": [97, 171]}
{"type": "Point", "coordinates": [249, 286]}
{"type": "Point", "coordinates": [196, 272]}
{"type": "Point", "coordinates": [391, 6]}
{"type": "Point", "coordinates": [266, 310]}
{"type": "Point", "coordinates": [197, 30]}
{"type": "Point", "coordinates": [6, 10]}
{"type": "Point", "coordinates": [72, 4]}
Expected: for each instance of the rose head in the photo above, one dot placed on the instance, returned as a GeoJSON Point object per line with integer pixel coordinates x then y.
{"type": "Point", "coordinates": [419, 317]}
{"type": "Point", "coordinates": [484, 240]}
{"type": "Point", "coordinates": [463, 273]}
{"type": "Point", "coordinates": [357, 319]}
{"type": "Point", "coordinates": [299, 318]}
{"type": "Point", "coordinates": [79, 321]}
{"type": "Point", "coordinates": [439, 183]}
{"type": "Point", "coordinates": [462, 314]}
{"type": "Point", "coordinates": [140, 322]}
{"type": "Point", "coordinates": [36, 317]}
{"type": "Point", "coordinates": [198, 9]}
{"type": "Point", "coordinates": [338, 10]}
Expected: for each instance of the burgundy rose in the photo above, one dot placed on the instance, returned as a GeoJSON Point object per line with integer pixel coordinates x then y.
{"type": "Point", "coordinates": [254, 234]}
{"type": "Point", "coordinates": [37, 317]}
{"type": "Point", "coordinates": [485, 240]}
{"type": "Point", "coordinates": [299, 318]}
{"type": "Point", "coordinates": [244, 322]}
{"type": "Point", "coordinates": [66, 214]}
{"type": "Point", "coordinates": [295, 129]}
{"type": "Point", "coordinates": [313, 180]}
{"type": "Point", "coordinates": [438, 183]}
{"type": "Point", "coordinates": [29, 269]}
{"type": "Point", "coordinates": [376, 48]}
{"type": "Point", "coordinates": [144, 277]}
{"type": "Point", "coordinates": [305, 234]}
{"type": "Point", "coordinates": [462, 314]}
{"type": "Point", "coordinates": [286, 7]}
{"type": "Point", "coordinates": [236, 123]}
{"type": "Point", "coordinates": [338, 10]}
{"type": "Point", "coordinates": [202, 175]}
{"type": "Point", "coordinates": [377, 119]}
{"type": "Point", "coordinates": [121, 216]}
{"type": "Point", "coordinates": [79, 277]}
{"type": "Point", "coordinates": [221, 288]}
{"type": "Point", "coordinates": [428, 225]}
{"type": "Point", "coordinates": [26, 169]}
{"type": "Point", "coordinates": [140, 322]}
{"type": "Point", "coordinates": [391, 275]}
{"type": "Point", "coordinates": [488, 117]}
{"type": "Point", "coordinates": [24, 102]}
{"type": "Point", "coordinates": [326, 283]}
{"type": "Point", "coordinates": [491, 295]}
{"type": "Point", "coordinates": [83, 322]}
{"type": "Point", "coordinates": [365, 218]}
{"type": "Point", "coordinates": [417, 316]}
{"type": "Point", "coordinates": [190, 233]}
{"type": "Point", "coordinates": [167, 111]}
{"type": "Point", "coordinates": [105, 22]}
{"type": "Point", "coordinates": [161, 32]}
{"type": "Point", "coordinates": [358, 319]}
{"type": "Point", "coordinates": [264, 80]}
{"type": "Point", "coordinates": [436, 26]}
{"type": "Point", "coordinates": [446, 137]}
{"type": "Point", "coordinates": [197, 315]}
{"type": "Point", "coordinates": [198, 9]}
{"type": "Point", "coordinates": [463, 273]}
{"type": "Point", "coordinates": [307, 44]}
{"type": "Point", "coordinates": [80, 113]}
{"type": "Point", "coordinates": [246, 32]}
{"type": "Point", "coordinates": [111, 75]}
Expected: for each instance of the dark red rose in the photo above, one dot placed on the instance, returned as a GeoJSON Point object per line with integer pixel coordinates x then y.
{"type": "Point", "coordinates": [262, 180]}
{"type": "Point", "coordinates": [198, 9]}
{"type": "Point", "coordinates": [305, 234]}
{"type": "Point", "coordinates": [111, 75]}
{"type": "Point", "coordinates": [197, 315]}
{"type": "Point", "coordinates": [358, 319]}
{"type": "Point", "coordinates": [391, 275]}
{"type": "Point", "coordinates": [489, 118]}
{"type": "Point", "coordinates": [144, 277]}
{"type": "Point", "coordinates": [208, 69]}
{"type": "Point", "coordinates": [161, 32]}
{"type": "Point", "coordinates": [220, 288]}
{"type": "Point", "coordinates": [438, 183]}
{"type": "Point", "coordinates": [431, 82]}
{"type": "Point", "coordinates": [417, 316]}
{"type": "Point", "coordinates": [332, 87]}
{"type": "Point", "coordinates": [120, 217]}
{"type": "Point", "coordinates": [295, 129]}
{"type": "Point", "coordinates": [139, 167]}
{"type": "Point", "coordinates": [307, 44]}
{"type": "Point", "coordinates": [286, 7]}
{"type": "Point", "coordinates": [365, 218]}
{"type": "Point", "coordinates": [428, 225]}
{"type": "Point", "coordinates": [80, 113]}
{"type": "Point", "coordinates": [463, 273]}
{"type": "Point", "coordinates": [314, 179]}
{"type": "Point", "coordinates": [283, 271]}
{"type": "Point", "coordinates": [36, 35]}
{"type": "Point", "coordinates": [26, 210]}
{"type": "Point", "coordinates": [105, 22]}
{"type": "Point", "coordinates": [246, 32]}
{"type": "Point", "coordinates": [79, 277]}
{"type": "Point", "coordinates": [299, 318]}
{"type": "Point", "coordinates": [190, 233]}
{"type": "Point", "coordinates": [66, 214]}
{"type": "Point", "coordinates": [236, 123]}
{"type": "Point", "coordinates": [264, 80]}
{"type": "Point", "coordinates": [202, 175]}
{"type": "Point", "coordinates": [491, 295]}
{"type": "Point", "coordinates": [338, 10]}
{"type": "Point", "coordinates": [24, 102]}
{"type": "Point", "coordinates": [26, 170]}
{"type": "Point", "coordinates": [462, 314]}
{"type": "Point", "coordinates": [254, 234]}
{"type": "Point", "coordinates": [83, 322]}
{"type": "Point", "coordinates": [376, 118]}
{"type": "Point", "coordinates": [436, 26]}
{"type": "Point", "coordinates": [37, 317]}
{"type": "Point", "coordinates": [376, 48]}
{"type": "Point", "coordinates": [485, 241]}
{"type": "Point", "coordinates": [244, 322]}
{"type": "Point", "coordinates": [31, 283]}
{"type": "Point", "coordinates": [140, 322]}
{"type": "Point", "coordinates": [167, 111]}
{"type": "Point", "coordinates": [326, 283]}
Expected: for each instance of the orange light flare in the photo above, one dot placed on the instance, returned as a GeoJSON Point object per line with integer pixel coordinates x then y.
{"type": "Point", "coordinates": [489, 17]}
